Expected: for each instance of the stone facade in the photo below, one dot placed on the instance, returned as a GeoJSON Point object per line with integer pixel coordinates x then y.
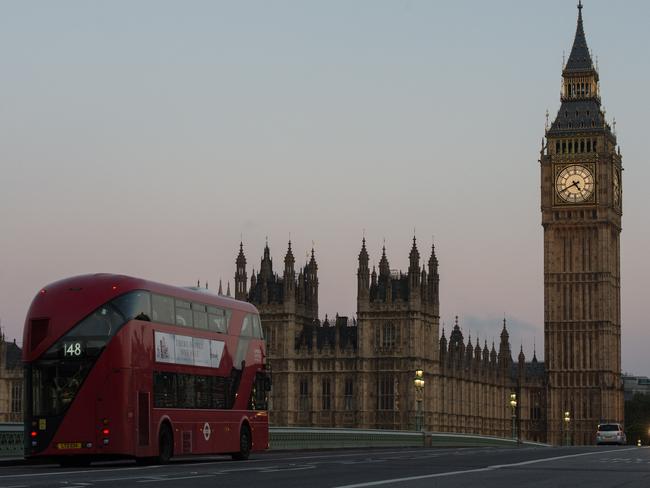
{"type": "Point", "coordinates": [11, 382]}
{"type": "Point", "coordinates": [581, 214]}
{"type": "Point", "coordinates": [360, 372]}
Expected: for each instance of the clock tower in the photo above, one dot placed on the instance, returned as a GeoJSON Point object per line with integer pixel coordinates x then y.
{"type": "Point", "coordinates": [581, 216]}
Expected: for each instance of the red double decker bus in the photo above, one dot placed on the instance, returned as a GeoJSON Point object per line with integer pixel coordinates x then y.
{"type": "Point", "coordinates": [117, 366]}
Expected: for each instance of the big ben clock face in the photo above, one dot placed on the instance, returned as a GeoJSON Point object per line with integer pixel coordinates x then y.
{"type": "Point", "coordinates": [575, 184]}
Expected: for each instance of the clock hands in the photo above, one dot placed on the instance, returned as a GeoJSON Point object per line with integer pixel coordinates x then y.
{"type": "Point", "coordinates": [575, 183]}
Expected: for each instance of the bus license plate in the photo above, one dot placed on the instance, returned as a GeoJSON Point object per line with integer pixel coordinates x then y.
{"type": "Point", "coordinates": [68, 445]}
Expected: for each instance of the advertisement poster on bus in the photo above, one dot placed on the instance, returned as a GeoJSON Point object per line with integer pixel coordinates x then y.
{"type": "Point", "coordinates": [194, 351]}
{"type": "Point", "coordinates": [201, 351]}
{"type": "Point", "coordinates": [165, 350]}
{"type": "Point", "coordinates": [184, 350]}
{"type": "Point", "coordinates": [216, 351]}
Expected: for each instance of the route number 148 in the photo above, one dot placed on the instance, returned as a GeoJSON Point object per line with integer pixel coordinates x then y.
{"type": "Point", "coordinates": [72, 349]}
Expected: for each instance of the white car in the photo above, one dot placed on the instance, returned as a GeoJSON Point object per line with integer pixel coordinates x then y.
{"type": "Point", "coordinates": [610, 434]}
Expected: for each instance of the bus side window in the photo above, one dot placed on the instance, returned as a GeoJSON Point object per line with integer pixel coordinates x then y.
{"type": "Point", "coordinates": [257, 327]}
{"type": "Point", "coordinates": [183, 313]}
{"type": "Point", "coordinates": [247, 326]}
{"type": "Point", "coordinates": [163, 309]}
{"type": "Point", "coordinates": [135, 305]}
{"type": "Point", "coordinates": [200, 316]}
{"type": "Point", "coordinates": [217, 320]}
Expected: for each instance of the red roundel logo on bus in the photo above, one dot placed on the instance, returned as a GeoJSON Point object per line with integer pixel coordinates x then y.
{"type": "Point", "coordinates": [206, 431]}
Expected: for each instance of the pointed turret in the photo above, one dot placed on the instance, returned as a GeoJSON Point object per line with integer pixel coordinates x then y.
{"type": "Point", "coordinates": [228, 290]}
{"type": "Point", "coordinates": [433, 280]}
{"type": "Point", "coordinates": [469, 349]}
{"type": "Point", "coordinates": [414, 267]}
{"type": "Point", "coordinates": [521, 358]}
{"type": "Point", "coordinates": [289, 281]}
{"type": "Point", "coordinates": [220, 292]}
{"type": "Point", "coordinates": [384, 267]}
{"type": "Point", "coordinates": [505, 356]}
{"type": "Point", "coordinates": [477, 351]}
{"type": "Point", "coordinates": [311, 278]}
{"type": "Point", "coordinates": [456, 345]}
{"type": "Point", "coordinates": [363, 273]}
{"type": "Point", "coordinates": [493, 355]}
{"type": "Point", "coordinates": [443, 344]}
{"type": "Point", "coordinates": [266, 265]}
{"type": "Point", "coordinates": [240, 275]}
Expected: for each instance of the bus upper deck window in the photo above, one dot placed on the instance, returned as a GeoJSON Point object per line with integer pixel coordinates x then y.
{"type": "Point", "coordinates": [162, 309]}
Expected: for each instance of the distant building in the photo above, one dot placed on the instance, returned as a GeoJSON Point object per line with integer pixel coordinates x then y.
{"type": "Point", "coordinates": [360, 373]}
{"type": "Point", "coordinates": [635, 384]}
{"type": "Point", "coordinates": [11, 382]}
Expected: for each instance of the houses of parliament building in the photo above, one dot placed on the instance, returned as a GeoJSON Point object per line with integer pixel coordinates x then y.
{"type": "Point", "coordinates": [360, 372]}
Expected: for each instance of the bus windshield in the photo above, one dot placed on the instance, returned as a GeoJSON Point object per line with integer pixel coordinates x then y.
{"type": "Point", "coordinates": [58, 374]}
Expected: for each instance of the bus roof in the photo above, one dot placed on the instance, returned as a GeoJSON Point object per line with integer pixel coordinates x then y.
{"type": "Point", "coordinates": [65, 302]}
{"type": "Point", "coordinates": [124, 283]}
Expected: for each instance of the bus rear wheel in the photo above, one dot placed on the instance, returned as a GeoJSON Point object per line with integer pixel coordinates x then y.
{"type": "Point", "coordinates": [245, 442]}
{"type": "Point", "coordinates": [165, 444]}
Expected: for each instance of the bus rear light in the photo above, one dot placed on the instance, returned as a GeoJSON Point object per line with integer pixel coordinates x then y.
{"type": "Point", "coordinates": [43, 291]}
{"type": "Point", "coordinates": [105, 421]}
{"type": "Point", "coordinates": [34, 433]}
{"type": "Point", "coordinates": [114, 287]}
{"type": "Point", "coordinates": [106, 431]}
{"type": "Point", "coordinates": [106, 442]}
{"type": "Point", "coordinates": [89, 445]}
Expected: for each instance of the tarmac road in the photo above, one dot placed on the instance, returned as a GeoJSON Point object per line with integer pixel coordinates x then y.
{"type": "Point", "coordinates": [408, 467]}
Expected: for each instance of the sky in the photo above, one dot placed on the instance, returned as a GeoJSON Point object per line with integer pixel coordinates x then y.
{"type": "Point", "coordinates": [146, 138]}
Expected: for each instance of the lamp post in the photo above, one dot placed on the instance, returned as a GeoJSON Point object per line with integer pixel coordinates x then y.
{"type": "Point", "coordinates": [513, 405]}
{"type": "Point", "coordinates": [418, 382]}
{"type": "Point", "coordinates": [567, 420]}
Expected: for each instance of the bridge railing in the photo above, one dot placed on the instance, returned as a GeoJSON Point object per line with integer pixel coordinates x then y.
{"type": "Point", "coordinates": [11, 439]}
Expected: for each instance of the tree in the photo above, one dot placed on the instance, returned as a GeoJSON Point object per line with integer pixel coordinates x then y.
{"type": "Point", "coordinates": [637, 418]}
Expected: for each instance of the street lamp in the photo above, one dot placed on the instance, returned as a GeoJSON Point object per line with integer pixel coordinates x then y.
{"type": "Point", "coordinates": [418, 382]}
{"type": "Point", "coordinates": [513, 405]}
{"type": "Point", "coordinates": [567, 419]}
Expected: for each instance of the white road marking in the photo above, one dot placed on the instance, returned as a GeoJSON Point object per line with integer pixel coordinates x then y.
{"type": "Point", "coordinates": [59, 473]}
{"type": "Point", "coordinates": [296, 468]}
{"type": "Point", "coordinates": [157, 480]}
{"type": "Point", "coordinates": [467, 471]}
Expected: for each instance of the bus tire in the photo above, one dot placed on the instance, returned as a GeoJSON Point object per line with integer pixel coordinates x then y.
{"type": "Point", "coordinates": [245, 442]}
{"type": "Point", "coordinates": [165, 444]}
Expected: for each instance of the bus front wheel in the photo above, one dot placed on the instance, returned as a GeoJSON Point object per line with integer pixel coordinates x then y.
{"type": "Point", "coordinates": [244, 444]}
{"type": "Point", "coordinates": [165, 444]}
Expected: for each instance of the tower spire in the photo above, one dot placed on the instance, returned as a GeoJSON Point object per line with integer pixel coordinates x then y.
{"type": "Point", "coordinates": [240, 275]}
{"type": "Point", "coordinates": [363, 272]}
{"type": "Point", "coordinates": [579, 58]}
